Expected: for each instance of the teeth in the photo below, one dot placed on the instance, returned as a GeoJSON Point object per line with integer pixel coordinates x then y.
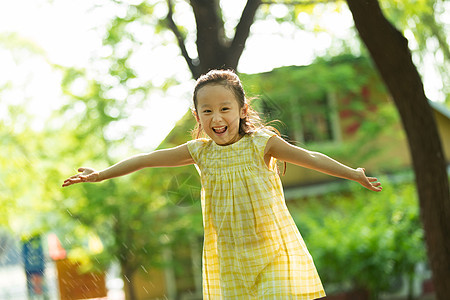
{"type": "Point", "coordinates": [219, 129]}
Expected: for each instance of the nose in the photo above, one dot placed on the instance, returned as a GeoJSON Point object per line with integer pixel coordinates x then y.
{"type": "Point", "coordinates": [216, 118]}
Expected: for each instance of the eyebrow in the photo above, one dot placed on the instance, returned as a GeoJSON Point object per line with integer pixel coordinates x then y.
{"type": "Point", "coordinates": [223, 103]}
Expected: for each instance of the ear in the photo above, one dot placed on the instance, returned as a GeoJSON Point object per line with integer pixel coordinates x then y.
{"type": "Point", "coordinates": [244, 111]}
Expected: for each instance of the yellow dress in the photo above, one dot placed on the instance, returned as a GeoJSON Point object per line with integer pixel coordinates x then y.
{"type": "Point", "coordinates": [252, 247]}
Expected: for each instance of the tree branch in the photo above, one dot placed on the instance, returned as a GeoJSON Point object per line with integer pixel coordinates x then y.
{"type": "Point", "coordinates": [180, 39]}
{"type": "Point", "coordinates": [242, 32]}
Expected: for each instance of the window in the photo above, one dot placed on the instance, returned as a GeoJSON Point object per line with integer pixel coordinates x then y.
{"type": "Point", "coordinates": [306, 120]}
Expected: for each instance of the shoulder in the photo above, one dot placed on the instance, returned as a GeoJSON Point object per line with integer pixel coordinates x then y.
{"type": "Point", "coordinates": [197, 146]}
{"type": "Point", "coordinates": [274, 144]}
{"type": "Point", "coordinates": [261, 138]}
{"type": "Point", "coordinates": [263, 133]}
{"type": "Point", "coordinates": [200, 141]}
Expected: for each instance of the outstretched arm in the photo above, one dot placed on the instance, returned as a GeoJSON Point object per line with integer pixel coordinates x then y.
{"type": "Point", "coordinates": [172, 157]}
{"type": "Point", "coordinates": [282, 150]}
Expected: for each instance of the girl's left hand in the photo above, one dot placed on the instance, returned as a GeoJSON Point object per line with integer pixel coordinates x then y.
{"type": "Point", "coordinates": [85, 175]}
{"type": "Point", "coordinates": [370, 183]}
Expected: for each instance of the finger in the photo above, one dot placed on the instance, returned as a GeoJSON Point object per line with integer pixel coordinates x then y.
{"type": "Point", "coordinates": [85, 177]}
{"type": "Point", "coordinates": [78, 179]}
{"type": "Point", "coordinates": [67, 183]}
{"type": "Point", "coordinates": [81, 169]}
{"type": "Point", "coordinates": [67, 180]}
{"type": "Point", "coordinates": [377, 188]}
{"type": "Point", "coordinates": [73, 177]}
{"type": "Point", "coordinates": [74, 180]}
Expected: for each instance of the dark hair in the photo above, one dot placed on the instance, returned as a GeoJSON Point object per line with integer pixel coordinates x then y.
{"type": "Point", "coordinates": [230, 80]}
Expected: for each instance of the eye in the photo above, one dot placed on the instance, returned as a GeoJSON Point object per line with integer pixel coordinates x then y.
{"type": "Point", "coordinates": [206, 111]}
{"type": "Point", "coordinates": [225, 108]}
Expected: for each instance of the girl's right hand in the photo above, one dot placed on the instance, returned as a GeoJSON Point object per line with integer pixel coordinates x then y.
{"type": "Point", "coordinates": [370, 183]}
{"type": "Point", "coordinates": [86, 175]}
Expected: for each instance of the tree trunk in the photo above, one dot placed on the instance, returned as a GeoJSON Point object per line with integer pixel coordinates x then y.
{"type": "Point", "coordinates": [127, 270]}
{"type": "Point", "coordinates": [214, 49]}
{"type": "Point", "coordinates": [390, 52]}
{"type": "Point", "coordinates": [211, 44]}
{"type": "Point", "coordinates": [127, 277]}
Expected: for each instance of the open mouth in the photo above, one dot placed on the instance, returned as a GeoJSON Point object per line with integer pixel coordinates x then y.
{"type": "Point", "coordinates": [220, 130]}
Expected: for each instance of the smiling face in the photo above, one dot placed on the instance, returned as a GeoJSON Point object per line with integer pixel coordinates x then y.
{"type": "Point", "coordinates": [219, 113]}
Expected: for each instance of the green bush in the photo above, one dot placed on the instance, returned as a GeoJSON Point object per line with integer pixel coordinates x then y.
{"type": "Point", "coordinates": [363, 239]}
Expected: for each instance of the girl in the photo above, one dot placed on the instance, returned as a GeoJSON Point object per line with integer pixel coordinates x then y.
{"type": "Point", "coordinates": [252, 247]}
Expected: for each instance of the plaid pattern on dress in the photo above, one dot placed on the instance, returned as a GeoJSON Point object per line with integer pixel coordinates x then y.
{"type": "Point", "coordinates": [252, 247]}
